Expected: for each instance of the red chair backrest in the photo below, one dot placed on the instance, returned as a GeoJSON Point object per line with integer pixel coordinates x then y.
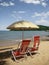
{"type": "Point", "coordinates": [36, 42]}
{"type": "Point", "coordinates": [24, 45]}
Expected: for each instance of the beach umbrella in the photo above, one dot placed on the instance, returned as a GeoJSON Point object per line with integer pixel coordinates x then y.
{"type": "Point", "coordinates": [22, 25]}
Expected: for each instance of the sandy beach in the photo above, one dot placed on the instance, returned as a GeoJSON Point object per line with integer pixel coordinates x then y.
{"type": "Point", "coordinates": [40, 58]}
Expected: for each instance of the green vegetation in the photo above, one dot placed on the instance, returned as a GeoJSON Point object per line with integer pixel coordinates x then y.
{"type": "Point", "coordinates": [45, 28]}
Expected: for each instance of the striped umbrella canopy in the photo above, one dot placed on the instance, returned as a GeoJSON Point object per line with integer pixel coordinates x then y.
{"type": "Point", "coordinates": [22, 25]}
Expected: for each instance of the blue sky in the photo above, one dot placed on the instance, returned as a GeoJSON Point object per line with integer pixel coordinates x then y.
{"type": "Point", "coordinates": [36, 11]}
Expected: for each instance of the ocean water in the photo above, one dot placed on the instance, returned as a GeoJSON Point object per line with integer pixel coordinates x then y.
{"type": "Point", "coordinates": [16, 35]}
{"type": "Point", "coordinates": [8, 38]}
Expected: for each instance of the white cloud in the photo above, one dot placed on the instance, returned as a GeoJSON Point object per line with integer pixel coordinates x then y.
{"type": "Point", "coordinates": [35, 1]}
{"type": "Point", "coordinates": [21, 12]}
{"type": "Point", "coordinates": [31, 1]}
{"type": "Point", "coordinates": [44, 4]}
{"type": "Point", "coordinates": [15, 15]}
{"type": "Point", "coordinates": [2, 27]}
{"type": "Point", "coordinates": [41, 2]}
{"type": "Point", "coordinates": [7, 4]}
{"type": "Point", "coordinates": [41, 15]}
{"type": "Point", "coordinates": [42, 18]}
{"type": "Point", "coordinates": [36, 14]}
{"type": "Point", "coordinates": [42, 22]}
{"type": "Point", "coordinates": [11, 3]}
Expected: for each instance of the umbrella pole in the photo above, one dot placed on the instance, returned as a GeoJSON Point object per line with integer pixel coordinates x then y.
{"type": "Point", "coordinates": [22, 35]}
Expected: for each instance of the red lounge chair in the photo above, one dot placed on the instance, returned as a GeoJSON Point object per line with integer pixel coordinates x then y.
{"type": "Point", "coordinates": [22, 51]}
{"type": "Point", "coordinates": [35, 45]}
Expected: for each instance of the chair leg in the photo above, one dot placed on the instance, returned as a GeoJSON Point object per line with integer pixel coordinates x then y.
{"type": "Point", "coordinates": [13, 56]}
{"type": "Point", "coordinates": [30, 53]}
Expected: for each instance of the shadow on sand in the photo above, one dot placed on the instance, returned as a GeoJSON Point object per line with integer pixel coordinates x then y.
{"type": "Point", "coordinates": [3, 62]}
{"type": "Point", "coordinates": [4, 55]}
